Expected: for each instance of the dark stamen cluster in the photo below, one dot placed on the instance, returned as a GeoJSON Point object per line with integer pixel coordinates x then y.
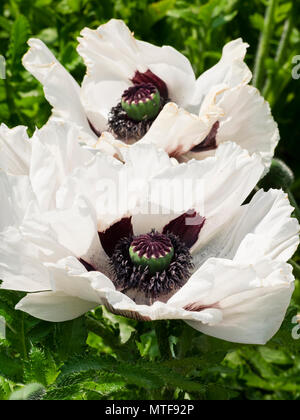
{"type": "Point", "coordinates": [125, 128]}
{"type": "Point", "coordinates": [128, 276]}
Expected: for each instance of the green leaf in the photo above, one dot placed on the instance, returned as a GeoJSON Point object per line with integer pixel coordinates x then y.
{"type": "Point", "coordinates": [10, 368]}
{"type": "Point", "coordinates": [18, 41]}
{"type": "Point", "coordinates": [5, 389]}
{"type": "Point", "coordinates": [133, 374]}
{"type": "Point", "coordinates": [159, 10]}
{"type": "Point", "coordinates": [5, 24]}
{"type": "Point", "coordinates": [277, 357]}
{"type": "Point", "coordinates": [142, 374]}
{"type": "Point", "coordinates": [257, 21]}
{"type": "Point", "coordinates": [71, 337]}
{"type": "Point", "coordinates": [40, 367]}
{"type": "Point", "coordinates": [63, 393]}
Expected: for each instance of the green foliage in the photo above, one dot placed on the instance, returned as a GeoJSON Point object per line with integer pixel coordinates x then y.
{"type": "Point", "coordinates": [279, 176]}
{"type": "Point", "coordinates": [19, 32]}
{"type": "Point", "coordinates": [124, 362]}
{"type": "Point", "coordinates": [102, 356]}
{"type": "Point", "coordinates": [30, 392]}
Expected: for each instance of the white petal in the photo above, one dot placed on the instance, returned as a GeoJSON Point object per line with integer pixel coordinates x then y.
{"type": "Point", "coordinates": [98, 181]}
{"type": "Point", "coordinates": [15, 150]}
{"type": "Point", "coordinates": [231, 70]}
{"type": "Point", "coordinates": [55, 154]}
{"type": "Point", "coordinates": [54, 306]}
{"type": "Point", "coordinates": [61, 90]}
{"type": "Point", "coordinates": [253, 299]}
{"type": "Point", "coordinates": [24, 252]}
{"type": "Point", "coordinates": [98, 98]}
{"type": "Point", "coordinates": [70, 276]}
{"type": "Point", "coordinates": [110, 51]}
{"type": "Point", "coordinates": [265, 228]}
{"type": "Point", "coordinates": [123, 305]}
{"type": "Point", "coordinates": [144, 223]}
{"type": "Point", "coordinates": [42, 238]}
{"type": "Point", "coordinates": [215, 187]}
{"type": "Point", "coordinates": [173, 68]}
{"type": "Point", "coordinates": [16, 194]}
{"type": "Point", "coordinates": [76, 229]}
{"type": "Point", "coordinates": [60, 139]}
{"type": "Point", "coordinates": [262, 229]}
{"type": "Point", "coordinates": [248, 122]}
{"type": "Point", "coordinates": [20, 266]}
{"type": "Point", "coordinates": [113, 189]}
{"type": "Point", "coordinates": [142, 164]}
{"type": "Point", "coordinates": [108, 145]}
{"type": "Point", "coordinates": [177, 131]}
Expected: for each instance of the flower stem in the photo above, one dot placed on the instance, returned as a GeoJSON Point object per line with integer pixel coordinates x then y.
{"type": "Point", "coordinates": [294, 204]}
{"type": "Point", "coordinates": [23, 339]}
{"type": "Point", "coordinates": [296, 268]}
{"type": "Point", "coordinates": [264, 44]}
{"type": "Point", "coordinates": [281, 51]}
{"type": "Point", "coordinates": [162, 335]}
{"type": "Point", "coordinates": [99, 329]}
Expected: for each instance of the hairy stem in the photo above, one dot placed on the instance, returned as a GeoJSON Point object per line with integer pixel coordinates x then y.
{"type": "Point", "coordinates": [285, 37]}
{"type": "Point", "coordinates": [162, 335]}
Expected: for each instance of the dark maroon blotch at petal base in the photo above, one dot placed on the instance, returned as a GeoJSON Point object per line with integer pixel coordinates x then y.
{"type": "Point", "coordinates": [197, 307]}
{"type": "Point", "coordinates": [94, 129]}
{"type": "Point", "coordinates": [118, 231]}
{"type": "Point", "coordinates": [187, 227]}
{"type": "Point", "coordinates": [86, 265]}
{"type": "Point", "coordinates": [149, 77]}
{"type": "Point", "coordinates": [210, 142]}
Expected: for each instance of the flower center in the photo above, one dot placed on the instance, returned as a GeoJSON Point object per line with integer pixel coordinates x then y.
{"type": "Point", "coordinates": [153, 250]}
{"type": "Point", "coordinates": [151, 267]}
{"type": "Point", "coordinates": [139, 105]}
{"type": "Point", "coordinates": [141, 102]}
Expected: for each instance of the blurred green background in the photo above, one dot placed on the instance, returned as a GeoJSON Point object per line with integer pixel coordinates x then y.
{"type": "Point", "coordinates": [199, 29]}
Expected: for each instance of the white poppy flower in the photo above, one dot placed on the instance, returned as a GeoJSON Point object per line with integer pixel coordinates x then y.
{"type": "Point", "coordinates": [138, 91]}
{"type": "Point", "coordinates": [207, 259]}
